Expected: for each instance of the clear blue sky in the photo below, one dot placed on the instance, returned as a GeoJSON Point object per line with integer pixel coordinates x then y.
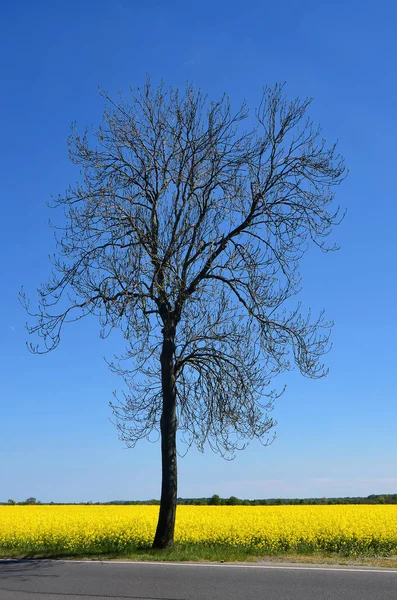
{"type": "Point", "coordinates": [335, 437]}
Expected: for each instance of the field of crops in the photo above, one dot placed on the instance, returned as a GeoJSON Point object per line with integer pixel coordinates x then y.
{"type": "Point", "coordinates": [81, 530]}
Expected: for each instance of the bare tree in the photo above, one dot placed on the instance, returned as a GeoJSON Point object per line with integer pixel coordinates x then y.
{"type": "Point", "coordinates": [186, 233]}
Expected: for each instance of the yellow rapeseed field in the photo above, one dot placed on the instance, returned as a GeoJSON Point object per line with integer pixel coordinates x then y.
{"type": "Point", "coordinates": [351, 529]}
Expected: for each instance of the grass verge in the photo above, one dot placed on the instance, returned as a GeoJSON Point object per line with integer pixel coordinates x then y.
{"type": "Point", "coordinates": [197, 553]}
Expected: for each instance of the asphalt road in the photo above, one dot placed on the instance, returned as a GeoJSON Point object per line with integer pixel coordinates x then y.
{"type": "Point", "coordinates": [68, 580]}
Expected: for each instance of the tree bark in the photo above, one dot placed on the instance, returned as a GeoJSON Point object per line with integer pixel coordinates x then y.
{"type": "Point", "coordinates": [164, 537]}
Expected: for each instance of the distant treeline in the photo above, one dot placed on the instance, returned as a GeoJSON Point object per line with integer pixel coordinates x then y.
{"type": "Point", "coordinates": [216, 500]}
{"type": "Point", "coordinates": [233, 501]}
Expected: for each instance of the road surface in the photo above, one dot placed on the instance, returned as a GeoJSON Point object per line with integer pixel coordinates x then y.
{"type": "Point", "coordinates": [70, 580]}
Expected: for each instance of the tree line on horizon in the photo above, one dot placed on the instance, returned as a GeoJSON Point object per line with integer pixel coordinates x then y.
{"type": "Point", "coordinates": [216, 500]}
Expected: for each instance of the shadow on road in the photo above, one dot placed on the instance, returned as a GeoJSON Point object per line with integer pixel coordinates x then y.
{"type": "Point", "coordinates": [19, 568]}
{"type": "Point", "coordinates": [24, 569]}
{"type": "Point", "coordinates": [85, 595]}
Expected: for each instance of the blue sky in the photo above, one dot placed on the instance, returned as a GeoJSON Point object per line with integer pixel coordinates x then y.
{"type": "Point", "coordinates": [335, 437]}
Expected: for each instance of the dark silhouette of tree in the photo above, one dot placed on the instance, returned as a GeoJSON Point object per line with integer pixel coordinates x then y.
{"type": "Point", "coordinates": [214, 500]}
{"type": "Point", "coordinates": [186, 233]}
{"type": "Point", "coordinates": [233, 501]}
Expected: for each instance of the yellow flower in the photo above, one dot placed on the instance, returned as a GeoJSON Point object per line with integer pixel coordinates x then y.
{"type": "Point", "coordinates": [352, 529]}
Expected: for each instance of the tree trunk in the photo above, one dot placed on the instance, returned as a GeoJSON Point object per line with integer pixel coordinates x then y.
{"type": "Point", "coordinates": [164, 537]}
